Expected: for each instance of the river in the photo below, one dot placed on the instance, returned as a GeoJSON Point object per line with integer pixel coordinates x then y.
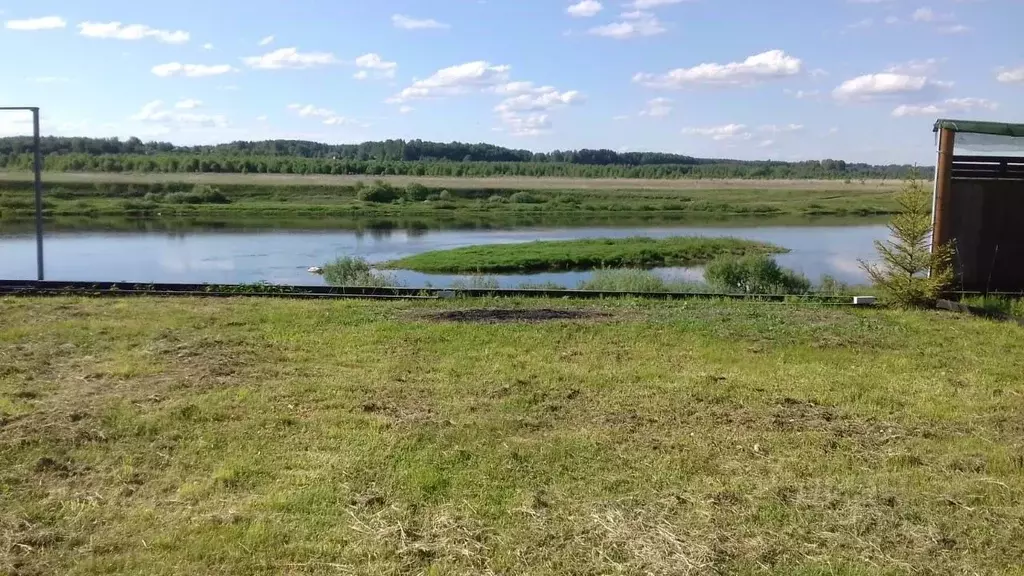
{"type": "Point", "coordinates": [222, 254]}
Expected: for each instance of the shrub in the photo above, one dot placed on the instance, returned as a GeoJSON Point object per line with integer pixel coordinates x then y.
{"type": "Point", "coordinates": [910, 273]}
{"type": "Point", "coordinates": [757, 274]}
{"type": "Point", "coordinates": [200, 194]}
{"type": "Point", "coordinates": [351, 271]}
{"type": "Point", "coordinates": [416, 192]}
{"type": "Point", "coordinates": [380, 193]}
{"type": "Point", "coordinates": [444, 195]}
{"type": "Point", "coordinates": [524, 198]}
{"type": "Point", "coordinates": [477, 283]}
{"type": "Point", "coordinates": [497, 199]}
{"type": "Point", "coordinates": [830, 286]}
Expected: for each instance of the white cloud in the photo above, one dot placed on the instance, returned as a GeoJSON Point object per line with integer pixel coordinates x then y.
{"type": "Point", "coordinates": [539, 100]}
{"type": "Point", "coordinates": [532, 124]}
{"type": "Point", "coordinates": [188, 104]}
{"type": "Point", "coordinates": [262, 118]}
{"type": "Point", "coordinates": [620, 117]}
{"type": "Point", "coordinates": [266, 40]}
{"type": "Point", "coordinates": [924, 15]}
{"type": "Point", "coordinates": [765, 143]}
{"type": "Point", "coordinates": [154, 112]}
{"type": "Point", "coordinates": [191, 70]}
{"type": "Point", "coordinates": [916, 67]}
{"type": "Point", "coordinates": [886, 84]}
{"type": "Point", "coordinates": [119, 31]}
{"type": "Point", "coordinates": [584, 9]}
{"type": "Point", "coordinates": [765, 66]}
{"type": "Point", "coordinates": [726, 132]}
{"type": "Point", "coordinates": [892, 19]}
{"type": "Point", "coordinates": [648, 4]}
{"type": "Point", "coordinates": [632, 25]}
{"type": "Point", "coordinates": [290, 58]}
{"type": "Point", "coordinates": [945, 107]}
{"type": "Point", "coordinates": [208, 46]}
{"type": "Point", "coordinates": [954, 29]}
{"type": "Point", "coordinates": [776, 129]}
{"type": "Point", "coordinates": [865, 23]}
{"type": "Point", "coordinates": [459, 79]}
{"type": "Point", "coordinates": [1011, 76]}
{"type": "Point", "coordinates": [328, 117]}
{"type": "Point", "coordinates": [657, 107]}
{"type": "Point", "coordinates": [379, 67]}
{"type": "Point", "coordinates": [405, 109]}
{"type": "Point", "coordinates": [44, 23]}
{"type": "Point", "coordinates": [408, 23]}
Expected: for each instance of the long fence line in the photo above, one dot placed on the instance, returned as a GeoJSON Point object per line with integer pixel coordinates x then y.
{"type": "Point", "coordinates": [45, 288]}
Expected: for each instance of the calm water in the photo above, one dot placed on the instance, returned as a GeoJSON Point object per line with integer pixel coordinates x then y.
{"type": "Point", "coordinates": [283, 256]}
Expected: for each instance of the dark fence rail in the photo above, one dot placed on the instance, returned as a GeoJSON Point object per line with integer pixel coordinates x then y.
{"type": "Point", "coordinates": [988, 167]}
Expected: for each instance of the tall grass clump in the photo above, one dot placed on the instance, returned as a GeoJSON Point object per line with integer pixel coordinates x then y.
{"type": "Point", "coordinates": [356, 272]}
{"type": "Point", "coordinates": [911, 274]}
{"type": "Point", "coordinates": [476, 283]}
{"type": "Point", "coordinates": [628, 280]}
{"type": "Point", "coordinates": [755, 274]}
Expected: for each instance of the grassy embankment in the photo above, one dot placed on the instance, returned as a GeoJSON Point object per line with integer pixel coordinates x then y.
{"type": "Point", "coordinates": [154, 436]}
{"type": "Point", "coordinates": [239, 198]}
{"type": "Point", "coordinates": [589, 254]}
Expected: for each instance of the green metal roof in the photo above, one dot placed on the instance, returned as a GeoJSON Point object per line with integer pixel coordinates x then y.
{"type": "Point", "coordinates": [975, 127]}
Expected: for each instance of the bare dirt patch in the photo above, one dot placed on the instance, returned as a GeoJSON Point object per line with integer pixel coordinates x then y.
{"type": "Point", "coordinates": [498, 315]}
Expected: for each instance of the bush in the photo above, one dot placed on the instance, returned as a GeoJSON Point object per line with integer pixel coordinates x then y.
{"type": "Point", "coordinates": [200, 194]}
{"type": "Point", "coordinates": [524, 198]}
{"type": "Point", "coordinates": [758, 274]}
{"type": "Point", "coordinates": [497, 199]}
{"type": "Point", "coordinates": [830, 286]}
{"type": "Point", "coordinates": [444, 195]}
{"type": "Point", "coordinates": [911, 274]}
{"type": "Point", "coordinates": [351, 271]}
{"type": "Point", "coordinates": [380, 193]}
{"type": "Point", "coordinates": [416, 192]}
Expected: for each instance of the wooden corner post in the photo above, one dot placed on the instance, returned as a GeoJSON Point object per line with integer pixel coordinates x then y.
{"type": "Point", "coordinates": [943, 188]}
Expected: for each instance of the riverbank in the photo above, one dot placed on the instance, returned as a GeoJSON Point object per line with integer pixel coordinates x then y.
{"type": "Point", "coordinates": [185, 199]}
{"type": "Point", "coordinates": [589, 254]}
{"type": "Point", "coordinates": [152, 436]}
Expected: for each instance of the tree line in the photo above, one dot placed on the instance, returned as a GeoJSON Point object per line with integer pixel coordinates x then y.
{"type": "Point", "coordinates": [406, 158]}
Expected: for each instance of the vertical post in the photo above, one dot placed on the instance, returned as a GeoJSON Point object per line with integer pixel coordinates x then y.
{"type": "Point", "coordinates": [943, 185]}
{"type": "Point", "coordinates": [38, 169]}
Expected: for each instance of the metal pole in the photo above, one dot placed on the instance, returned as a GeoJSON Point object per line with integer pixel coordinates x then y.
{"type": "Point", "coordinates": [943, 183]}
{"type": "Point", "coordinates": [38, 167]}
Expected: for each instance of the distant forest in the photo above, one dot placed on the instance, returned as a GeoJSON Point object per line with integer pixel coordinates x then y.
{"type": "Point", "coordinates": [407, 158]}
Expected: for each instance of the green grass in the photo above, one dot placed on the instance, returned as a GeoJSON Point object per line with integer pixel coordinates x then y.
{"type": "Point", "coordinates": [588, 254]}
{"type": "Point", "coordinates": [288, 198]}
{"type": "Point", "coordinates": [999, 305]}
{"type": "Point", "coordinates": [350, 271]}
{"type": "Point", "coordinates": [239, 436]}
{"type": "Point", "coordinates": [639, 281]}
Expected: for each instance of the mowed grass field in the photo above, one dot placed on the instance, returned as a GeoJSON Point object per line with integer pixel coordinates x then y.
{"type": "Point", "coordinates": [520, 183]}
{"type": "Point", "coordinates": [244, 436]}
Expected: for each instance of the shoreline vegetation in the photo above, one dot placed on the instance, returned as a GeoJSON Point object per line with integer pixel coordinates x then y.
{"type": "Point", "coordinates": [150, 435]}
{"type": "Point", "coordinates": [580, 255]}
{"type": "Point", "coordinates": [383, 199]}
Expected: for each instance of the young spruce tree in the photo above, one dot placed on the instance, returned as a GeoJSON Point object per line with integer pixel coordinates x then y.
{"type": "Point", "coordinates": [910, 274]}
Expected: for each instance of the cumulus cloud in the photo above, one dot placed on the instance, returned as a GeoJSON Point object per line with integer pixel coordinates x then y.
{"type": "Point", "coordinates": [191, 70]}
{"type": "Point", "coordinates": [726, 132]}
{"type": "Point", "coordinates": [951, 105]}
{"type": "Point", "coordinates": [777, 129]}
{"type": "Point", "coordinates": [657, 107]}
{"type": "Point", "coordinates": [327, 116]}
{"type": "Point", "coordinates": [119, 31]}
{"type": "Point", "coordinates": [408, 23]}
{"type": "Point", "coordinates": [584, 9]}
{"type": "Point", "coordinates": [916, 67]}
{"type": "Point", "coordinates": [802, 94]}
{"type": "Point", "coordinates": [454, 80]}
{"type": "Point", "coordinates": [886, 84]}
{"type": "Point", "coordinates": [188, 104]}
{"type": "Point", "coordinates": [764, 66]}
{"type": "Point", "coordinates": [405, 109]}
{"type": "Point", "coordinates": [373, 64]}
{"type": "Point", "coordinates": [526, 109]}
{"type": "Point", "coordinates": [266, 40]}
{"type": "Point", "coordinates": [31, 24]}
{"type": "Point", "coordinates": [155, 112]}
{"type": "Point", "coordinates": [290, 58]}
{"type": "Point", "coordinates": [631, 25]}
{"type": "Point", "coordinates": [208, 46]}
{"type": "Point", "coordinates": [1011, 76]}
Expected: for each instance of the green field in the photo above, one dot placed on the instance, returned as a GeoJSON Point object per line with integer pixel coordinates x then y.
{"type": "Point", "coordinates": [304, 197]}
{"type": "Point", "coordinates": [589, 254]}
{"type": "Point", "coordinates": [237, 436]}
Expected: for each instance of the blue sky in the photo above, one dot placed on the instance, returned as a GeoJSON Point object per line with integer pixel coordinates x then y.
{"type": "Point", "coordinates": [861, 80]}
